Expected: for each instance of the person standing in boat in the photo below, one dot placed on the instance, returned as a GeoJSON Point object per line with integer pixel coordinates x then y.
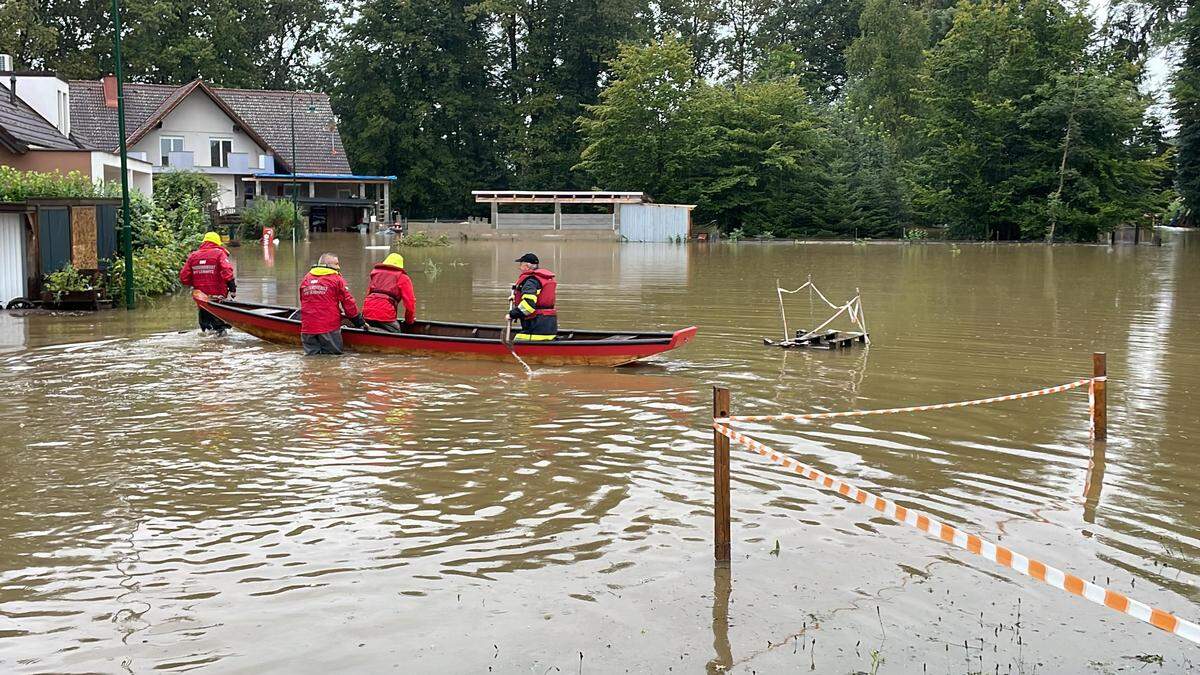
{"type": "Point", "coordinates": [324, 297]}
{"type": "Point", "coordinates": [533, 301]}
{"type": "Point", "coordinates": [387, 288]}
{"type": "Point", "coordinates": [209, 271]}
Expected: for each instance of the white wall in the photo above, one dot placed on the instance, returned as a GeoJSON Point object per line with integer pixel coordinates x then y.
{"type": "Point", "coordinates": [106, 167]}
{"type": "Point", "coordinates": [196, 120]}
{"type": "Point", "coordinates": [42, 93]}
{"type": "Point", "coordinates": [225, 195]}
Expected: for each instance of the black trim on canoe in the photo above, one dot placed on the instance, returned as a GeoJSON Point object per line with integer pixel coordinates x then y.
{"type": "Point", "coordinates": [283, 314]}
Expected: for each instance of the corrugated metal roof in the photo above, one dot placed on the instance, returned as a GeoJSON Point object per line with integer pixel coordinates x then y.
{"type": "Point", "coordinates": [26, 126]}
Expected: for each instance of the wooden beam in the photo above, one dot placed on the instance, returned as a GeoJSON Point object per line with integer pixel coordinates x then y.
{"type": "Point", "coordinates": [721, 546]}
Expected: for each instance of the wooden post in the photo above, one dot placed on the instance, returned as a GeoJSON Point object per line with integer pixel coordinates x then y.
{"type": "Point", "coordinates": [1099, 397]}
{"type": "Point", "coordinates": [720, 478]}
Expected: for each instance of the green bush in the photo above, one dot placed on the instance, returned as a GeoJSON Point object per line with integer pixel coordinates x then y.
{"type": "Point", "coordinates": [172, 188]}
{"type": "Point", "coordinates": [274, 213]}
{"type": "Point", "coordinates": [155, 272]}
{"type": "Point", "coordinates": [420, 240]}
{"type": "Point", "coordinates": [17, 186]}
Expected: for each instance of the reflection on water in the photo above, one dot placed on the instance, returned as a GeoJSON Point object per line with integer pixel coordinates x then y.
{"type": "Point", "coordinates": [170, 500]}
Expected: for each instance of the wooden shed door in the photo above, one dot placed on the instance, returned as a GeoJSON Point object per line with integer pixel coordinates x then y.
{"type": "Point", "coordinates": [12, 257]}
{"type": "Point", "coordinates": [54, 238]}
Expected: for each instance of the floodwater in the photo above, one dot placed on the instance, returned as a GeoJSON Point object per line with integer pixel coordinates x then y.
{"type": "Point", "coordinates": [172, 501]}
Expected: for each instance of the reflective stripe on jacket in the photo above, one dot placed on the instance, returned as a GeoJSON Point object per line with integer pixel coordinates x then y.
{"type": "Point", "coordinates": [534, 293]}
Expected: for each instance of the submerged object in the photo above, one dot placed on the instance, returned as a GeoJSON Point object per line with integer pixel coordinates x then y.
{"type": "Point", "coordinates": [280, 324]}
{"type": "Point", "coordinates": [829, 339]}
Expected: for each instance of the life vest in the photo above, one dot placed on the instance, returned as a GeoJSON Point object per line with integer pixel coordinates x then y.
{"type": "Point", "coordinates": [545, 300]}
{"type": "Point", "coordinates": [389, 287]}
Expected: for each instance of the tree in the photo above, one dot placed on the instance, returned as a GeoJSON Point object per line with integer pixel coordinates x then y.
{"type": "Point", "coordinates": [26, 36]}
{"type": "Point", "coordinates": [1028, 124]}
{"type": "Point", "coordinates": [636, 137]}
{"type": "Point", "coordinates": [819, 31]}
{"type": "Point", "coordinates": [1185, 95]}
{"type": "Point", "coordinates": [566, 48]}
{"type": "Point", "coordinates": [698, 23]}
{"type": "Point", "coordinates": [884, 64]}
{"type": "Point", "coordinates": [759, 158]}
{"type": "Point", "coordinates": [412, 84]}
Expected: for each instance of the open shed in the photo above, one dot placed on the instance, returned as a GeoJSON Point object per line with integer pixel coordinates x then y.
{"type": "Point", "coordinates": [631, 216]}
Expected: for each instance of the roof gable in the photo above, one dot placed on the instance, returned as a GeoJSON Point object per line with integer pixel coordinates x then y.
{"type": "Point", "coordinates": [22, 127]}
{"type": "Point", "coordinates": [264, 115]}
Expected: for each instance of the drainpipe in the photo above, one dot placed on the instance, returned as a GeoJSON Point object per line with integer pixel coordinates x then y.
{"type": "Point", "coordinates": [12, 89]}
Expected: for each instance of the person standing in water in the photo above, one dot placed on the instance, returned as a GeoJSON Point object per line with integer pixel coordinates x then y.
{"type": "Point", "coordinates": [209, 271]}
{"type": "Point", "coordinates": [324, 297]}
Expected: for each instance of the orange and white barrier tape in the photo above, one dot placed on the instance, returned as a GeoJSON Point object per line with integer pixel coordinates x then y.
{"type": "Point", "coordinates": [916, 408]}
{"type": "Point", "coordinates": [977, 545]}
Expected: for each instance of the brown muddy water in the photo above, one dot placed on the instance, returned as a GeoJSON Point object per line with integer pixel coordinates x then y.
{"type": "Point", "coordinates": [172, 501]}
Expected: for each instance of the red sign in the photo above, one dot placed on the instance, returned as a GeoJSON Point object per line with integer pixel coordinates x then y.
{"type": "Point", "coordinates": [268, 235]}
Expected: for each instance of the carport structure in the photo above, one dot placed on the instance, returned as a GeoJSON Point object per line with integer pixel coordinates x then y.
{"type": "Point", "coordinates": [557, 219]}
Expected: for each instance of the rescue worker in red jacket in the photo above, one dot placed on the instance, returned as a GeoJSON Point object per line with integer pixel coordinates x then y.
{"type": "Point", "coordinates": [209, 271]}
{"type": "Point", "coordinates": [533, 301]}
{"type": "Point", "coordinates": [324, 298]}
{"type": "Point", "coordinates": [389, 287]}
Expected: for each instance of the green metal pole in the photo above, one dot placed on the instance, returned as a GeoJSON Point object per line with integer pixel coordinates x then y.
{"type": "Point", "coordinates": [126, 229]}
{"type": "Point", "coordinates": [295, 186]}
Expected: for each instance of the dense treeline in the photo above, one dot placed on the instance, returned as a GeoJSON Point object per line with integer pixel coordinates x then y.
{"type": "Point", "coordinates": [1017, 119]}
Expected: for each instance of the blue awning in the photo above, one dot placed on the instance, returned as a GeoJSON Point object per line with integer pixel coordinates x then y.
{"type": "Point", "coordinates": [324, 176]}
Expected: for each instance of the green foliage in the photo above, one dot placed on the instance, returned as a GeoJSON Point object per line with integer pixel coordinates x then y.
{"type": "Point", "coordinates": [916, 234]}
{"type": "Point", "coordinates": [639, 135]}
{"type": "Point", "coordinates": [884, 62]}
{"type": "Point", "coordinates": [419, 240]}
{"type": "Point", "coordinates": [1029, 127]}
{"type": "Point", "coordinates": [869, 197]}
{"type": "Point", "coordinates": [66, 280]}
{"type": "Point", "coordinates": [235, 43]}
{"type": "Point", "coordinates": [278, 214]}
{"type": "Point", "coordinates": [172, 187]}
{"type": "Point", "coordinates": [155, 271]}
{"type": "Point", "coordinates": [162, 240]}
{"type": "Point", "coordinates": [17, 186]}
{"type": "Point", "coordinates": [1185, 93]}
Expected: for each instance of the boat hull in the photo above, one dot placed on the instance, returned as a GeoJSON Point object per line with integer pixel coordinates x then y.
{"type": "Point", "coordinates": [266, 322]}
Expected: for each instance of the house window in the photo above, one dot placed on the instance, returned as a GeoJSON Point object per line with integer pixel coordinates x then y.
{"type": "Point", "coordinates": [167, 145]}
{"type": "Point", "coordinates": [219, 149]}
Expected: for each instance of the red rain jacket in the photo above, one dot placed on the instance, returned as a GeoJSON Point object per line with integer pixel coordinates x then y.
{"type": "Point", "coordinates": [208, 270]}
{"type": "Point", "coordinates": [322, 292]}
{"type": "Point", "coordinates": [388, 286]}
{"type": "Point", "coordinates": [545, 297]}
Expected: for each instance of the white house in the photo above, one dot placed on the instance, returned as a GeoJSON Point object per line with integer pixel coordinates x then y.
{"type": "Point", "coordinates": [256, 144]}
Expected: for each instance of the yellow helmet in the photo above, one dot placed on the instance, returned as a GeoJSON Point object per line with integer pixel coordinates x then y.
{"type": "Point", "coordinates": [212, 238]}
{"type": "Point", "coordinates": [395, 260]}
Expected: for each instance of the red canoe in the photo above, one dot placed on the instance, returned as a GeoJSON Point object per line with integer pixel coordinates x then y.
{"type": "Point", "coordinates": [278, 324]}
